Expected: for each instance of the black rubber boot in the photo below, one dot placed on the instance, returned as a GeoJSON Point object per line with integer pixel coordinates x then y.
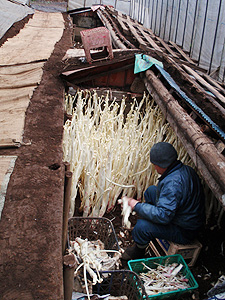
{"type": "Point", "coordinates": [133, 252]}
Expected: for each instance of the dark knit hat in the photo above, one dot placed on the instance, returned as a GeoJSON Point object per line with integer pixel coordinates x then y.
{"type": "Point", "coordinates": [163, 154]}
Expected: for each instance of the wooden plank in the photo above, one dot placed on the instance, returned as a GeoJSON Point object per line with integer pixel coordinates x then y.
{"type": "Point", "coordinates": [202, 81]}
{"type": "Point", "coordinates": [116, 34]}
{"type": "Point", "coordinates": [142, 44]}
{"type": "Point", "coordinates": [165, 45]}
{"type": "Point", "coordinates": [116, 40]}
{"type": "Point", "coordinates": [194, 67]}
{"type": "Point", "coordinates": [184, 55]}
{"type": "Point", "coordinates": [122, 24]}
{"type": "Point", "coordinates": [214, 82]}
{"type": "Point", "coordinates": [149, 31]}
{"type": "Point", "coordinates": [150, 40]}
{"type": "Point", "coordinates": [96, 70]}
{"type": "Point", "coordinates": [199, 90]}
{"type": "Point", "coordinates": [112, 10]}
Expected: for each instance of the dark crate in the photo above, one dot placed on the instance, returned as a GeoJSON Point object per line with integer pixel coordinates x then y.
{"type": "Point", "coordinates": [93, 229]}
{"type": "Point", "coordinates": [137, 267]}
{"type": "Point", "coordinates": [121, 283]}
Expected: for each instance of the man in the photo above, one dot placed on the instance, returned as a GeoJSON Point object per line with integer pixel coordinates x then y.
{"type": "Point", "coordinates": [173, 210]}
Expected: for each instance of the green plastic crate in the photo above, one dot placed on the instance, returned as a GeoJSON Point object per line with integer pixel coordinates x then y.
{"type": "Point", "coordinates": [137, 267]}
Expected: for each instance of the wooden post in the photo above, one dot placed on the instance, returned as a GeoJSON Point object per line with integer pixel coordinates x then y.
{"type": "Point", "coordinates": [68, 260]}
{"type": "Point", "coordinates": [66, 207]}
{"type": "Point", "coordinates": [69, 265]}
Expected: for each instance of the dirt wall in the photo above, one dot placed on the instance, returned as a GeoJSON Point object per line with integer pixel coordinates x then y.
{"type": "Point", "coordinates": [31, 224]}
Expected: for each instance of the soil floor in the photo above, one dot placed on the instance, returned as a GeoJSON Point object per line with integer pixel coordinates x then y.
{"type": "Point", "coordinates": [31, 224]}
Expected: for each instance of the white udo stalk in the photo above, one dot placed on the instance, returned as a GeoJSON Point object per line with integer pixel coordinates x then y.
{"type": "Point", "coordinates": [126, 211]}
{"type": "Point", "coordinates": [108, 153]}
{"type": "Point", "coordinates": [105, 199]}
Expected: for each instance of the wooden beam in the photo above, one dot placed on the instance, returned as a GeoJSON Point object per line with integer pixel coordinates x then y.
{"type": "Point", "coordinates": [166, 46]}
{"type": "Point", "coordinates": [150, 40]}
{"type": "Point", "coordinates": [142, 44]}
{"type": "Point", "coordinates": [193, 84]}
{"type": "Point", "coordinates": [209, 162]}
{"type": "Point", "coordinates": [117, 36]}
{"type": "Point", "coordinates": [112, 10]}
{"type": "Point", "coordinates": [66, 206]}
{"type": "Point", "coordinates": [116, 41]}
{"type": "Point", "coordinates": [121, 22]}
{"type": "Point", "coordinates": [194, 67]}
{"type": "Point", "coordinates": [178, 60]}
{"type": "Point", "coordinates": [202, 81]}
{"type": "Point", "coordinates": [184, 55]}
{"type": "Point", "coordinates": [93, 72]}
{"type": "Point", "coordinates": [214, 83]}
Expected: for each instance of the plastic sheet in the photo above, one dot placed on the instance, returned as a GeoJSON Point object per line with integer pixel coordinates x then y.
{"type": "Point", "coordinates": [11, 12]}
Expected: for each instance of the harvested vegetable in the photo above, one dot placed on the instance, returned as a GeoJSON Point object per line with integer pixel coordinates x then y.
{"type": "Point", "coordinates": [164, 279]}
{"type": "Point", "coordinates": [126, 211]}
{"type": "Point", "coordinates": [92, 256]}
{"type": "Point", "coordinates": [108, 152]}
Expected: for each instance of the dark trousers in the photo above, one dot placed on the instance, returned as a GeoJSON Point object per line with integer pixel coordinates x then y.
{"type": "Point", "coordinates": [144, 231]}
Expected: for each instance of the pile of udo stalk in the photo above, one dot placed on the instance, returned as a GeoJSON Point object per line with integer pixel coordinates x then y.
{"type": "Point", "coordinates": [108, 151]}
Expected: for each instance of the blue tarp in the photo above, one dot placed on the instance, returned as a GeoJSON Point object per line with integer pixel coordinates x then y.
{"type": "Point", "coordinates": [144, 62]}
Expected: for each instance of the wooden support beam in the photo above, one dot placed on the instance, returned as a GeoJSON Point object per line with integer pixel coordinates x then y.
{"type": "Point", "coordinates": [209, 162]}
{"type": "Point", "coordinates": [176, 59]}
{"type": "Point", "coordinates": [214, 83]}
{"type": "Point", "coordinates": [165, 45]}
{"type": "Point", "coordinates": [204, 83]}
{"type": "Point", "coordinates": [69, 265]}
{"type": "Point", "coordinates": [193, 84]}
{"type": "Point", "coordinates": [66, 206]}
{"type": "Point", "coordinates": [87, 74]}
{"type": "Point", "coordinates": [194, 67]}
{"type": "Point", "coordinates": [142, 44]}
{"type": "Point", "coordinates": [184, 55]}
{"type": "Point", "coordinates": [115, 39]}
{"type": "Point", "coordinates": [150, 40]}
{"type": "Point", "coordinates": [117, 36]}
{"type": "Point", "coordinates": [112, 10]}
{"type": "Point", "coordinates": [122, 23]}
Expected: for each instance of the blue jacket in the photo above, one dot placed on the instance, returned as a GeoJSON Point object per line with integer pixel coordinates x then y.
{"type": "Point", "coordinates": [179, 199]}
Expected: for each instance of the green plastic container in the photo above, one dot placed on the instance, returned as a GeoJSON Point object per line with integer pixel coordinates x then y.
{"type": "Point", "coordinates": [137, 267]}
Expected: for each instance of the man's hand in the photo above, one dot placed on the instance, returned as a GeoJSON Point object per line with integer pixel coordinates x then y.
{"type": "Point", "coordinates": [132, 202]}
